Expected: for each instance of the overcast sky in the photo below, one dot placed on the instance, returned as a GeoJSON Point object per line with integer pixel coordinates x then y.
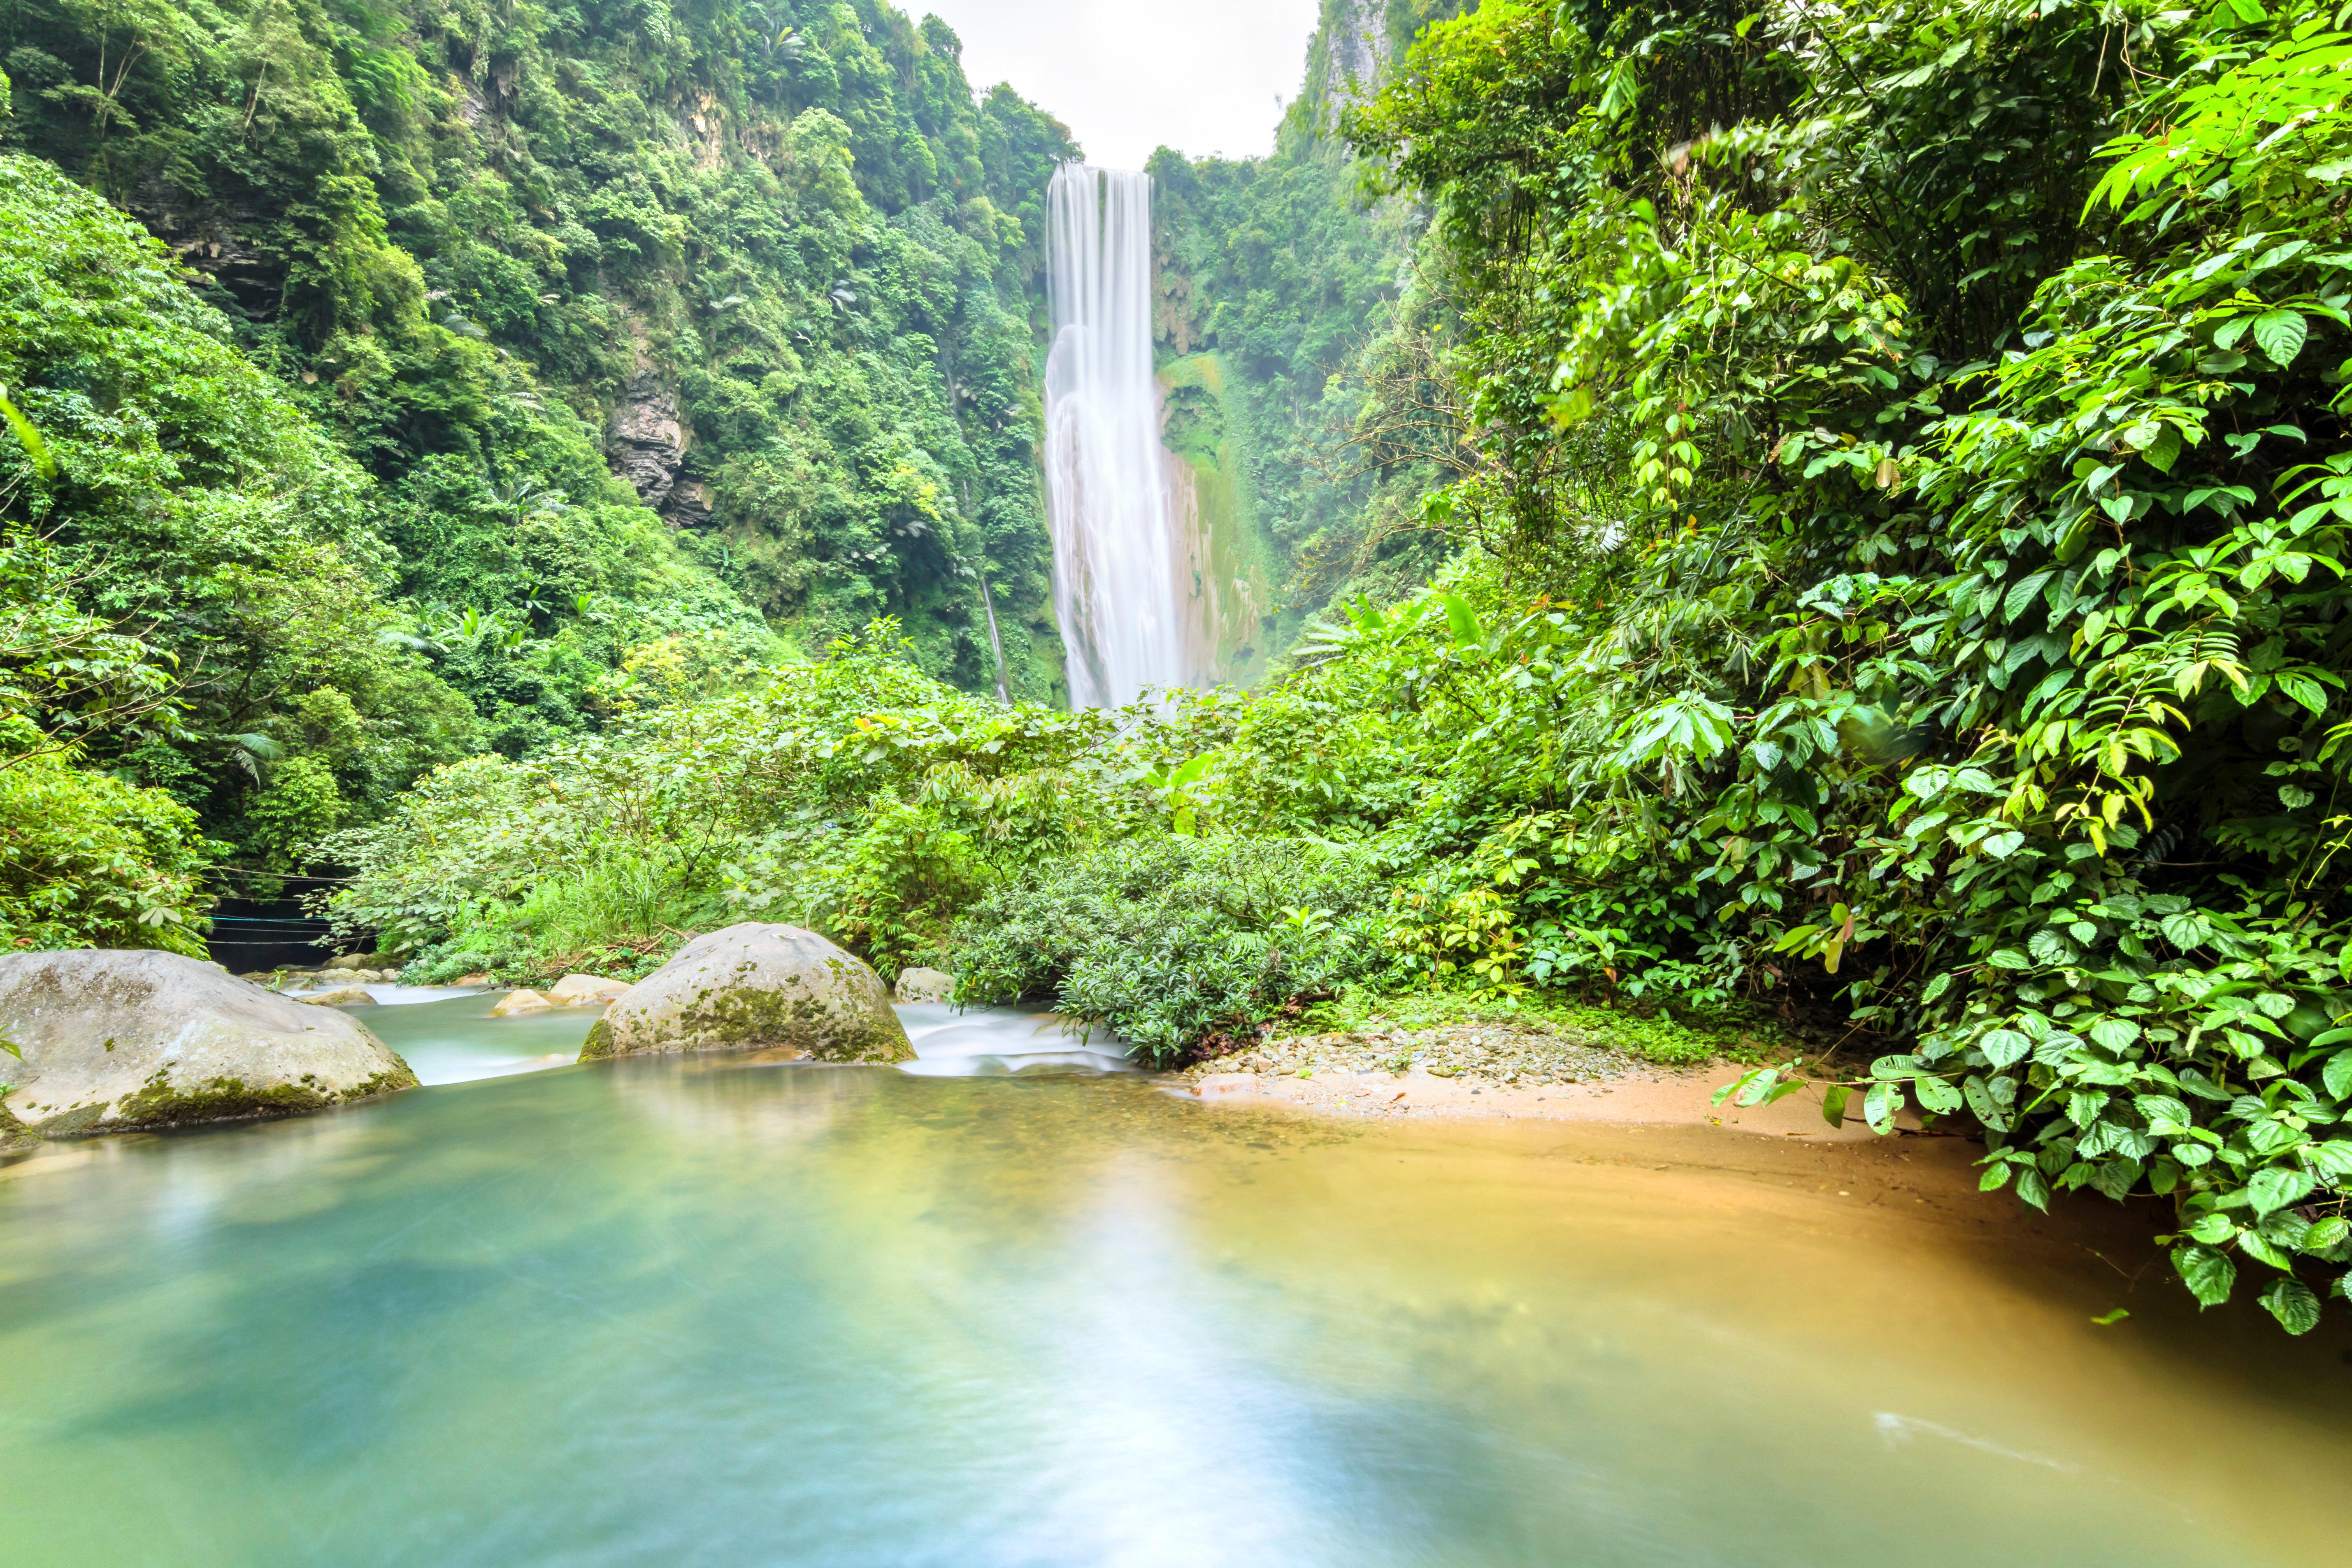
{"type": "Point", "coordinates": [1128, 76]}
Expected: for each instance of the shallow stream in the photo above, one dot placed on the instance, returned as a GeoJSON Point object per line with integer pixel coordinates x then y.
{"type": "Point", "coordinates": [716, 1312]}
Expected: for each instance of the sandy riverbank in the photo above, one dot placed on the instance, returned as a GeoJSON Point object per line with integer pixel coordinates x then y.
{"type": "Point", "coordinates": [1493, 1072]}
{"type": "Point", "coordinates": [1645, 1096]}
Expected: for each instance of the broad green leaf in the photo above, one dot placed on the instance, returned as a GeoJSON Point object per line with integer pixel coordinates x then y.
{"type": "Point", "coordinates": [1935, 1094]}
{"type": "Point", "coordinates": [2114, 1034]}
{"type": "Point", "coordinates": [1461, 621]}
{"type": "Point", "coordinates": [2208, 1274]}
{"type": "Point", "coordinates": [1833, 1100]}
{"type": "Point", "coordinates": [2050, 947]}
{"type": "Point", "coordinates": [2292, 1303]}
{"type": "Point", "coordinates": [2280, 335]}
{"type": "Point", "coordinates": [1880, 1106]}
{"type": "Point", "coordinates": [1734, 1086]}
{"type": "Point", "coordinates": [2004, 1048]}
{"type": "Point", "coordinates": [2276, 1187]}
{"type": "Point", "coordinates": [2326, 1233]}
{"type": "Point", "coordinates": [2262, 1249]}
{"type": "Point", "coordinates": [2337, 1074]}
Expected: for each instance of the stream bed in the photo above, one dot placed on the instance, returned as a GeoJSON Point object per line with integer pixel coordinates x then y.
{"type": "Point", "coordinates": [1031, 1311]}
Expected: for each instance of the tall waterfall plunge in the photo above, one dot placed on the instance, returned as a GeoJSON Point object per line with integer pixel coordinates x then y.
{"type": "Point", "coordinates": [1115, 545]}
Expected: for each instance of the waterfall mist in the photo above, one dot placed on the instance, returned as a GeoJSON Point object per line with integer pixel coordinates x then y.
{"type": "Point", "coordinates": [1115, 545]}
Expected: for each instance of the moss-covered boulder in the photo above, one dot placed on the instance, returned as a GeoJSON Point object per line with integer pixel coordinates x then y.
{"type": "Point", "coordinates": [115, 1041]}
{"type": "Point", "coordinates": [756, 987]}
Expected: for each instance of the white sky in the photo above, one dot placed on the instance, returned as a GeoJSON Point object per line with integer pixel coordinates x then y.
{"type": "Point", "coordinates": [1128, 76]}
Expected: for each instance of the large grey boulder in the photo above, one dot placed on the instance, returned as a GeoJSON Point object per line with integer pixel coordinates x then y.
{"type": "Point", "coordinates": [116, 1041]}
{"type": "Point", "coordinates": [752, 986]}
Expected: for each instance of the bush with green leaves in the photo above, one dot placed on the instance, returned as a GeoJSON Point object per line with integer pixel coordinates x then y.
{"type": "Point", "coordinates": [87, 860]}
{"type": "Point", "coordinates": [1915, 581]}
{"type": "Point", "coordinates": [1177, 942]}
{"type": "Point", "coordinates": [855, 794]}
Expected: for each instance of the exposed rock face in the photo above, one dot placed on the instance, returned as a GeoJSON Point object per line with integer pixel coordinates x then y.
{"type": "Point", "coordinates": [341, 996]}
{"type": "Point", "coordinates": [515, 1002]}
{"type": "Point", "coordinates": [118, 1041]}
{"type": "Point", "coordinates": [755, 986]}
{"type": "Point", "coordinates": [648, 441]}
{"type": "Point", "coordinates": [690, 504]}
{"type": "Point", "coordinates": [585, 990]}
{"type": "Point", "coordinates": [924, 985]}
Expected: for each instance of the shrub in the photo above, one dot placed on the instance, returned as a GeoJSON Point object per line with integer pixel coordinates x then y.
{"type": "Point", "coordinates": [1179, 944]}
{"type": "Point", "coordinates": [87, 860]}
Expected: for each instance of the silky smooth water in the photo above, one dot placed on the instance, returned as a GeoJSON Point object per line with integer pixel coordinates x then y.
{"type": "Point", "coordinates": [1107, 503]}
{"type": "Point", "coordinates": [709, 1311]}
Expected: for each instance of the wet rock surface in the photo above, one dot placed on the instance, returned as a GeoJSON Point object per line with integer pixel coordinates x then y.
{"type": "Point", "coordinates": [116, 1041]}
{"type": "Point", "coordinates": [924, 985]}
{"type": "Point", "coordinates": [756, 987]}
{"type": "Point", "coordinates": [586, 990]}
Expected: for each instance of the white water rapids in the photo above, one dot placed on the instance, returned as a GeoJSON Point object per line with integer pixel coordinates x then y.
{"type": "Point", "coordinates": [1115, 540]}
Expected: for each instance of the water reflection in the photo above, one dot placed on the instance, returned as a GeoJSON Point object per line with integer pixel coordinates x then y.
{"type": "Point", "coordinates": [702, 1311]}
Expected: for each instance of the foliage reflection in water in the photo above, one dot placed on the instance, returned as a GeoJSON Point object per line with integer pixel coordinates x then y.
{"type": "Point", "coordinates": [709, 1311]}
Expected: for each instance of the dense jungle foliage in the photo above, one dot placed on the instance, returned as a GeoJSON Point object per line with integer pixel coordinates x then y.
{"type": "Point", "coordinates": [341, 448]}
{"type": "Point", "coordinates": [1915, 493]}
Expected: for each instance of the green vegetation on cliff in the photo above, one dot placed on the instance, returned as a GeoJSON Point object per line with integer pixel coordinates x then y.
{"type": "Point", "coordinates": [504, 369]}
{"type": "Point", "coordinates": [1287, 307]}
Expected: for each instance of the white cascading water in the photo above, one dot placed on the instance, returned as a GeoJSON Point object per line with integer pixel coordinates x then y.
{"type": "Point", "coordinates": [1115, 545]}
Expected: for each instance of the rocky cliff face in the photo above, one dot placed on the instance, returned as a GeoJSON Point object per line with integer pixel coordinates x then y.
{"type": "Point", "coordinates": [648, 441]}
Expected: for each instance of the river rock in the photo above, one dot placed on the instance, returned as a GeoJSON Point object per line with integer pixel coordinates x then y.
{"type": "Point", "coordinates": [585, 990]}
{"type": "Point", "coordinates": [341, 996]}
{"type": "Point", "coordinates": [924, 985]}
{"type": "Point", "coordinates": [524, 1001]}
{"type": "Point", "coordinates": [754, 986]}
{"type": "Point", "coordinates": [348, 960]}
{"type": "Point", "coordinates": [116, 1041]}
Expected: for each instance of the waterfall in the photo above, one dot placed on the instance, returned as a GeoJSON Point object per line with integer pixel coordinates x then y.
{"type": "Point", "coordinates": [1115, 545]}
